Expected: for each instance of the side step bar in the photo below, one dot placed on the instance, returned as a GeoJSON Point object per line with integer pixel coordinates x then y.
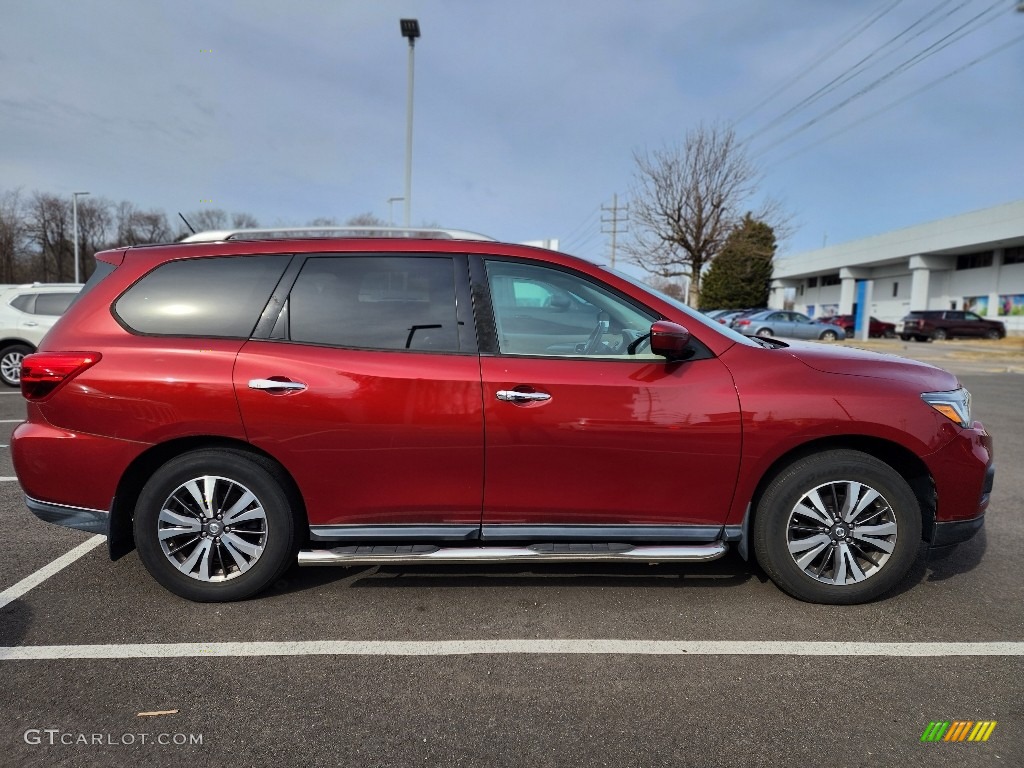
{"type": "Point", "coordinates": [538, 553]}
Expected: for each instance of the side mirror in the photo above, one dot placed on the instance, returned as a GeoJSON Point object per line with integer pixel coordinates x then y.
{"type": "Point", "coordinates": [669, 339]}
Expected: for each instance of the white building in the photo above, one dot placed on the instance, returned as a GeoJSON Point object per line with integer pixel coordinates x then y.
{"type": "Point", "coordinates": [974, 261]}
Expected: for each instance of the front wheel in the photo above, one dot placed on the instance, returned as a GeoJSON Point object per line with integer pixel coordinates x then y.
{"type": "Point", "coordinates": [940, 334]}
{"type": "Point", "coordinates": [838, 527]}
{"type": "Point", "coordinates": [10, 364]}
{"type": "Point", "coordinates": [829, 336]}
{"type": "Point", "coordinates": [215, 525]}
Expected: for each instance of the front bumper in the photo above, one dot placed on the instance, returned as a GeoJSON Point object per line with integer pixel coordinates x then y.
{"type": "Point", "coordinates": [946, 534]}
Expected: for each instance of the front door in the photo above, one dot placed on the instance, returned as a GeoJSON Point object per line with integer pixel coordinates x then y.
{"type": "Point", "coordinates": [589, 434]}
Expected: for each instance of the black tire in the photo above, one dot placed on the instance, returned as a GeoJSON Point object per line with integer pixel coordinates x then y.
{"type": "Point", "coordinates": [904, 337]}
{"type": "Point", "coordinates": [828, 336]}
{"type": "Point", "coordinates": [778, 525]}
{"type": "Point", "coordinates": [10, 363]}
{"type": "Point", "coordinates": [263, 538]}
{"type": "Point", "coordinates": [939, 334]}
{"type": "Point", "coordinates": [922, 338]}
{"type": "Point", "coordinates": [890, 335]}
{"type": "Point", "coordinates": [764, 333]}
{"type": "Point", "coordinates": [993, 334]}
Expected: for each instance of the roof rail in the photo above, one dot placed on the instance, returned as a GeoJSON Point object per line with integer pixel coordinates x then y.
{"type": "Point", "coordinates": [277, 233]}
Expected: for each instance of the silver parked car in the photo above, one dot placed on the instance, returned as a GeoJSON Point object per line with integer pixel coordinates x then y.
{"type": "Point", "coordinates": [795, 325]}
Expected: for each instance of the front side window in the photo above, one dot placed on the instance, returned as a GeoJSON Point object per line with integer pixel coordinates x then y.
{"type": "Point", "coordinates": [547, 312]}
{"type": "Point", "coordinates": [217, 296]}
{"type": "Point", "coordinates": [376, 302]}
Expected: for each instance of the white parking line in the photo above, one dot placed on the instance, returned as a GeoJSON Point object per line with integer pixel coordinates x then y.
{"type": "Point", "coordinates": [8, 479]}
{"type": "Point", "coordinates": [11, 594]}
{"type": "Point", "coordinates": [492, 647]}
{"type": "Point", "coordinates": [11, 421]}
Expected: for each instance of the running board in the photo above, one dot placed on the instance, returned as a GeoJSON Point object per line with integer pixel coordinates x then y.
{"type": "Point", "coordinates": [538, 553]}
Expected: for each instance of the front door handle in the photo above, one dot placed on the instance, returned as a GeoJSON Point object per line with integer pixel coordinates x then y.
{"type": "Point", "coordinates": [274, 384]}
{"type": "Point", "coordinates": [514, 396]}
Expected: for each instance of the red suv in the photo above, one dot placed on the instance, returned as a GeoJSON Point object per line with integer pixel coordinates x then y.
{"type": "Point", "coordinates": [229, 406]}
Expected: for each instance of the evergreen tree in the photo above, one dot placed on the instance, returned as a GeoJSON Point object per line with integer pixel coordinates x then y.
{"type": "Point", "coordinates": [741, 274]}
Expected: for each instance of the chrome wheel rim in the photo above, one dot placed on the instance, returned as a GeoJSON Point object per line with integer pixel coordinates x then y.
{"type": "Point", "coordinates": [10, 366]}
{"type": "Point", "coordinates": [841, 533]}
{"type": "Point", "coordinates": [212, 528]}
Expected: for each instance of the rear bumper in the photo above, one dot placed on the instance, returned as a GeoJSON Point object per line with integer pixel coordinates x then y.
{"type": "Point", "coordinates": [80, 518]}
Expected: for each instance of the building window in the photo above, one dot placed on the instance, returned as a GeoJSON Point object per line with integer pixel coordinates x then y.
{"type": "Point", "coordinates": [830, 279]}
{"type": "Point", "coordinates": [974, 260]}
{"type": "Point", "coordinates": [895, 290]}
{"type": "Point", "coordinates": [1014, 255]}
{"type": "Point", "coordinates": [812, 282]}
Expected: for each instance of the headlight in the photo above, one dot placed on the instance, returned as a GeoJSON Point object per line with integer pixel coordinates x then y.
{"type": "Point", "coordinates": [955, 405]}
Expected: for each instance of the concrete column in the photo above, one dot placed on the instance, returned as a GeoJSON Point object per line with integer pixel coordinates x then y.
{"type": "Point", "coordinates": [847, 295]}
{"type": "Point", "coordinates": [919, 288]}
{"type": "Point", "coordinates": [863, 331]}
{"type": "Point", "coordinates": [777, 295]}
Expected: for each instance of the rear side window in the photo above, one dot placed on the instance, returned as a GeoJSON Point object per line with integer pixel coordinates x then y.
{"type": "Point", "coordinates": [376, 302]}
{"type": "Point", "coordinates": [53, 303]}
{"type": "Point", "coordinates": [26, 302]}
{"type": "Point", "coordinates": [202, 297]}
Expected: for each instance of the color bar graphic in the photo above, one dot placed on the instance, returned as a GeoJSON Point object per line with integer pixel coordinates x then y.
{"type": "Point", "coordinates": [958, 730]}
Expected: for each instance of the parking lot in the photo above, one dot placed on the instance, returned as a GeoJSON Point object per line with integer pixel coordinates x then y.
{"type": "Point", "coordinates": [615, 665]}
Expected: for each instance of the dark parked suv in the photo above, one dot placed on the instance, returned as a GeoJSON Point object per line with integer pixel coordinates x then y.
{"type": "Point", "coordinates": [942, 324]}
{"type": "Point", "coordinates": [233, 405]}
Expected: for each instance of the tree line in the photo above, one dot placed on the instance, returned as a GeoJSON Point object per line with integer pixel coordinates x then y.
{"type": "Point", "coordinates": [37, 231]}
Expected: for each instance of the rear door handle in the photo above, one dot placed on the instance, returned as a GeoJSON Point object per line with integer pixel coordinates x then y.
{"type": "Point", "coordinates": [514, 396]}
{"type": "Point", "coordinates": [274, 384]}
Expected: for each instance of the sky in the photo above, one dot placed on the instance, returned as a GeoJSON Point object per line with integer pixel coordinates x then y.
{"type": "Point", "coordinates": [527, 115]}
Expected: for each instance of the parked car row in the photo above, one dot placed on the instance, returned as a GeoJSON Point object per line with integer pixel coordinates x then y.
{"type": "Point", "coordinates": [924, 325]}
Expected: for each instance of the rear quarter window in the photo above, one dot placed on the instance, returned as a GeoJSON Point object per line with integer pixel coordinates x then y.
{"type": "Point", "coordinates": [221, 297]}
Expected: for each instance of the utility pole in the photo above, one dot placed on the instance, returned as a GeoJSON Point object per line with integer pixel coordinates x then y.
{"type": "Point", "coordinates": [614, 221]}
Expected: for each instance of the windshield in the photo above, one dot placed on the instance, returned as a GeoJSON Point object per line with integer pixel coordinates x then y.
{"type": "Point", "coordinates": [688, 311]}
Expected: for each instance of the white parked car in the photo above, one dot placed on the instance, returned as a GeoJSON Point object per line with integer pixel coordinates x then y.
{"type": "Point", "coordinates": [27, 312]}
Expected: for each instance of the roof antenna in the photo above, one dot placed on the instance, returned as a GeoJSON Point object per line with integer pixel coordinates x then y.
{"type": "Point", "coordinates": [186, 222]}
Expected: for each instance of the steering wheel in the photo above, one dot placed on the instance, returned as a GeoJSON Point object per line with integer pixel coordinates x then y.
{"type": "Point", "coordinates": [594, 342]}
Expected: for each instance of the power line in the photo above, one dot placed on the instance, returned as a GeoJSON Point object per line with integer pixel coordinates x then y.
{"type": "Point", "coordinates": [903, 100]}
{"type": "Point", "coordinates": [855, 69]}
{"type": "Point", "coordinates": [927, 52]}
{"type": "Point", "coordinates": [583, 226]}
{"type": "Point", "coordinates": [833, 49]}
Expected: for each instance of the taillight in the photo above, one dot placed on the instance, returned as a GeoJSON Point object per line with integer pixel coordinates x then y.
{"type": "Point", "coordinates": [742, 322]}
{"type": "Point", "coordinates": [44, 372]}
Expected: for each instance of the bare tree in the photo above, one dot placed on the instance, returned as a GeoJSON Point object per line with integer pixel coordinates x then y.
{"type": "Point", "coordinates": [135, 227]}
{"type": "Point", "coordinates": [49, 226]}
{"type": "Point", "coordinates": [244, 221]}
{"type": "Point", "coordinates": [686, 200]}
{"type": "Point", "coordinates": [13, 232]}
{"type": "Point", "coordinates": [208, 219]}
{"type": "Point", "coordinates": [323, 221]}
{"type": "Point", "coordinates": [365, 220]}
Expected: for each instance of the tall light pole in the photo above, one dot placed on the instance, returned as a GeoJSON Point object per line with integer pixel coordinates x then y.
{"type": "Point", "coordinates": [410, 30]}
{"type": "Point", "coordinates": [74, 217]}
{"type": "Point", "coordinates": [391, 209]}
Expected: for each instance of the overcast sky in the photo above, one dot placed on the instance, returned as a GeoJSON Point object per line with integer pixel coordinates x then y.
{"type": "Point", "coordinates": [527, 113]}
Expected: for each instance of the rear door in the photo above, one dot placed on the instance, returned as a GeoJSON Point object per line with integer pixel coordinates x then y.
{"type": "Point", "coordinates": [367, 389]}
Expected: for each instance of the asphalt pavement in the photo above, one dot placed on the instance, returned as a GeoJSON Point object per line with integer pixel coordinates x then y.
{"type": "Point", "coordinates": [355, 667]}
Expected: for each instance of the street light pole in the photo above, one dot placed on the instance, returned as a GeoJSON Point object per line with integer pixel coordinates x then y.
{"type": "Point", "coordinates": [410, 30]}
{"type": "Point", "coordinates": [74, 217]}
{"type": "Point", "coordinates": [391, 209]}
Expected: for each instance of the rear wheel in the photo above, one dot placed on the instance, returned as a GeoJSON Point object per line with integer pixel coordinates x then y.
{"type": "Point", "coordinates": [764, 333]}
{"type": "Point", "coordinates": [887, 334]}
{"type": "Point", "coordinates": [10, 363]}
{"type": "Point", "coordinates": [993, 334]}
{"type": "Point", "coordinates": [904, 337]}
{"type": "Point", "coordinates": [837, 527]}
{"type": "Point", "coordinates": [215, 525]}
